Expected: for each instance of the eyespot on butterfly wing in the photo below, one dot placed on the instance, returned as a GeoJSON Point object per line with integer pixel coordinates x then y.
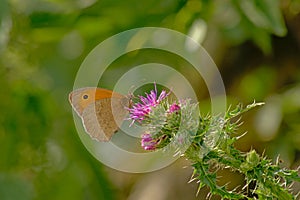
{"type": "Point", "coordinates": [102, 111]}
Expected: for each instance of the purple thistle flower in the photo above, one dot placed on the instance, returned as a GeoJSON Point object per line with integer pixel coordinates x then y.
{"type": "Point", "coordinates": [147, 142]}
{"type": "Point", "coordinates": [140, 110]}
{"type": "Point", "coordinates": [174, 108]}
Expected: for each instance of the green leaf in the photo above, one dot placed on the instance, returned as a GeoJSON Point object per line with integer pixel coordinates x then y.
{"type": "Point", "coordinates": [240, 110]}
{"type": "Point", "coordinates": [265, 14]}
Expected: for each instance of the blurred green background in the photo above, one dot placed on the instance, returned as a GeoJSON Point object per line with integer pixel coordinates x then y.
{"type": "Point", "coordinates": [255, 44]}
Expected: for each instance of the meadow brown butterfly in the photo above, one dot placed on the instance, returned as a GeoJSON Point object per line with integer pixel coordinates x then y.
{"type": "Point", "coordinates": [101, 111]}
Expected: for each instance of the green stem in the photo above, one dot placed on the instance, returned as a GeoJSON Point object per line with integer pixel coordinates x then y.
{"type": "Point", "coordinates": [254, 168]}
{"type": "Point", "coordinates": [209, 179]}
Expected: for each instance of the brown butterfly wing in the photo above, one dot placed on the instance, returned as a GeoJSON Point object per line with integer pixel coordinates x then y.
{"type": "Point", "coordinates": [102, 118]}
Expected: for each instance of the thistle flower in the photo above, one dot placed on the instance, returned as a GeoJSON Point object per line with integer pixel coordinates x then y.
{"type": "Point", "coordinates": [147, 142]}
{"type": "Point", "coordinates": [174, 108]}
{"type": "Point", "coordinates": [139, 111]}
{"type": "Point", "coordinates": [209, 139]}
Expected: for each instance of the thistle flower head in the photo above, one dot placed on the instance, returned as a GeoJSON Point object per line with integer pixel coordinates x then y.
{"type": "Point", "coordinates": [174, 108]}
{"type": "Point", "coordinates": [140, 110]}
{"type": "Point", "coordinates": [147, 142]}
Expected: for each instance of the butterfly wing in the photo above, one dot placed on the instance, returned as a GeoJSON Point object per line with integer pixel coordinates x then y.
{"type": "Point", "coordinates": [103, 118]}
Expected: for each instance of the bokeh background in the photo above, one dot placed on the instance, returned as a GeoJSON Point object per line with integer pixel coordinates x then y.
{"type": "Point", "coordinates": [255, 44]}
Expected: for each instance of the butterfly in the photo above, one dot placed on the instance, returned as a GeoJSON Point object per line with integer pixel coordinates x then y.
{"type": "Point", "coordinates": [102, 111]}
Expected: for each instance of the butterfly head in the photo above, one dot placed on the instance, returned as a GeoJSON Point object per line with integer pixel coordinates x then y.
{"type": "Point", "coordinates": [81, 98]}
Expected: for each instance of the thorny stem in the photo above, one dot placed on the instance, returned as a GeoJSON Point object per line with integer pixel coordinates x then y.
{"type": "Point", "coordinates": [266, 177]}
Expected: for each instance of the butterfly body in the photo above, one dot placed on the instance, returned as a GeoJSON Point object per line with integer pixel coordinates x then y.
{"type": "Point", "coordinates": [102, 111]}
